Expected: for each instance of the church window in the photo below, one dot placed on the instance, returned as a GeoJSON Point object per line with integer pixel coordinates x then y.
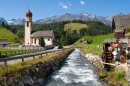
{"type": "Point", "coordinates": [34, 41]}
{"type": "Point", "coordinates": [27, 24]}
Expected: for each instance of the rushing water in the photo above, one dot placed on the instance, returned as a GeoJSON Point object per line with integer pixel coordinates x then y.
{"type": "Point", "coordinates": [76, 71]}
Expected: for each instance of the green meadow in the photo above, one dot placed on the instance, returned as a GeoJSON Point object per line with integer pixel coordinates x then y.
{"type": "Point", "coordinates": [6, 34]}
{"type": "Point", "coordinates": [74, 26]}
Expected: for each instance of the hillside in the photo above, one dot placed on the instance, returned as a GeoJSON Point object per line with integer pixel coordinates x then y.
{"type": "Point", "coordinates": [6, 34]}
{"type": "Point", "coordinates": [74, 26]}
{"type": "Point", "coordinates": [90, 28]}
{"type": "Point", "coordinates": [97, 39]}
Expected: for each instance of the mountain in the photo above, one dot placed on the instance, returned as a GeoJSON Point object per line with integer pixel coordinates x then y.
{"type": "Point", "coordinates": [19, 21]}
{"type": "Point", "coordinates": [2, 20]}
{"type": "Point", "coordinates": [69, 17]}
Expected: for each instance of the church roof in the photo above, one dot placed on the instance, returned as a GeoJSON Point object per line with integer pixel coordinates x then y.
{"type": "Point", "coordinates": [122, 21]}
{"type": "Point", "coordinates": [28, 13]}
{"type": "Point", "coordinates": [42, 33]}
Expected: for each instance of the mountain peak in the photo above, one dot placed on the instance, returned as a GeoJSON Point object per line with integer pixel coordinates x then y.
{"type": "Point", "coordinates": [81, 16]}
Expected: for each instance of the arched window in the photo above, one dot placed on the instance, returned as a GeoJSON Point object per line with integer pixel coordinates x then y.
{"type": "Point", "coordinates": [27, 24]}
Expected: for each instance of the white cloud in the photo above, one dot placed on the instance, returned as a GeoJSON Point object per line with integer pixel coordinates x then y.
{"type": "Point", "coordinates": [64, 6]}
{"type": "Point", "coordinates": [82, 2]}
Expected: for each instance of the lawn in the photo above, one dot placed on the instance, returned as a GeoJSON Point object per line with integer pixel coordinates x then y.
{"type": "Point", "coordinates": [75, 26]}
{"type": "Point", "coordinates": [96, 45]}
{"type": "Point", "coordinates": [98, 39]}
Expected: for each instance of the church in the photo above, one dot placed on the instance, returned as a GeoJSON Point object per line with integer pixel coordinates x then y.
{"type": "Point", "coordinates": [33, 38]}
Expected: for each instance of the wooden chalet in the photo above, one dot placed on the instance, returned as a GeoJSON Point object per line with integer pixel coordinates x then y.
{"type": "Point", "coordinates": [115, 48]}
{"type": "Point", "coordinates": [119, 25]}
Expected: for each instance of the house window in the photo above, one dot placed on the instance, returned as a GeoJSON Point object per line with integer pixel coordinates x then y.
{"type": "Point", "coordinates": [48, 39]}
{"type": "Point", "coordinates": [27, 24]}
{"type": "Point", "coordinates": [34, 41]}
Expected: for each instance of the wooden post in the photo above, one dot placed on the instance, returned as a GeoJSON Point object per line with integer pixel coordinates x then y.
{"type": "Point", "coordinates": [41, 54]}
{"type": "Point", "coordinates": [6, 53]}
{"type": "Point", "coordinates": [22, 58]}
{"type": "Point", "coordinates": [19, 51]}
{"type": "Point", "coordinates": [10, 52]}
{"type": "Point", "coordinates": [22, 51]}
{"type": "Point", "coordinates": [5, 62]}
{"type": "Point", "coordinates": [0, 54]}
{"type": "Point", "coordinates": [34, 56]}
{"type": "Point", "coordinates": [15, 52]}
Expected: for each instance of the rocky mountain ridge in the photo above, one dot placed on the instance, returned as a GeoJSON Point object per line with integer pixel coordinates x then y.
{"type": "Point", "coordinates": [66, 17]}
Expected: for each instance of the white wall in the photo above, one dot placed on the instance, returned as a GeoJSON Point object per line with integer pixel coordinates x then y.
{"type": "Point", "coordinates": [47, 42]}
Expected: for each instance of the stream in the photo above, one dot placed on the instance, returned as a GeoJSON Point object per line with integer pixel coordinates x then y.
{"type": "Point", "coordinates": [76, 71]}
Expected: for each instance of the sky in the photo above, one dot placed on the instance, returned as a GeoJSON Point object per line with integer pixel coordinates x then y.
{"type": "Point", "coordinates": [41, 9]}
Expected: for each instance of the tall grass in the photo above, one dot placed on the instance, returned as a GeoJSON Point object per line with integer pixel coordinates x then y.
{"type": "Point", "coordinates": [5, 69]}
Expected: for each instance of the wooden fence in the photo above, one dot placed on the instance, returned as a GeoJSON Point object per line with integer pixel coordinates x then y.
{"type": "Point", "coordinates": [19, 51]}
{"type": "Point", "coordinates": [23, 56]}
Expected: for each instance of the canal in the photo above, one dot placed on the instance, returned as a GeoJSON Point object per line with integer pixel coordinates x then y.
{"type": "Point", "coordinates": [76, 71]}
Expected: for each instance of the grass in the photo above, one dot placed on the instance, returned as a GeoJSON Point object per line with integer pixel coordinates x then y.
{"type": "Point", "coordinates": [6, 34]}
{"type": "Point", "coordinates": [117, 77]}
{"type": "Point", "coordinates": [98, 39]}
{"type": "Point", "coordinates": [95, 47]}
{"type": "Point", "coordinates": [75, 26]}
{"type": "Point", "coordinates": [14, 68]}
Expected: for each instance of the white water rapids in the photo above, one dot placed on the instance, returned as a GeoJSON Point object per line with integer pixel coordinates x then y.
{"type": "Point", "coordinates": [76, 71]}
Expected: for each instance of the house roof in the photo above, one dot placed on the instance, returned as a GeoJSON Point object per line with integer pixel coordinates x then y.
{"type": "Point", "coordinates": [42, 33]}
{"type": "Point", "coordinates": [122, 21]}
{"type": "Point", "coordinates": [4, 42]}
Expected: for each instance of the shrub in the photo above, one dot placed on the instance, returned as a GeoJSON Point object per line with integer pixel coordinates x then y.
{"type": "Point", "coordinates": [119, 74]}
{"type": "Point", "coordinates": [61, 54]}
{"type": "Point", "coordinates": [89, 41]}
{"type": "Point", "coordinates": [103, 74]}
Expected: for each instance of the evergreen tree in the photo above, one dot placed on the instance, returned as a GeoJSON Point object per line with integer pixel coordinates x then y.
{"type": "Point", "coordinates": [3, 24]}
{"type": "Point", "coordinates": [41, 41]}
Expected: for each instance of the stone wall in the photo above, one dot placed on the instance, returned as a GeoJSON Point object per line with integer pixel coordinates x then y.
{"type": "Point", "coordinates": [94, 59]}
{"type": "Point", "coordinates": [34, 75]}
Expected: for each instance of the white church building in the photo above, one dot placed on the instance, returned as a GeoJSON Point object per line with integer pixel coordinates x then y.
{"type": "Point", "coordinates": [33, 38]}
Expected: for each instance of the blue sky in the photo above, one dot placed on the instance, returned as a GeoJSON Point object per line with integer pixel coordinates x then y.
{"type": "Point", "coordinates": [46, 8]}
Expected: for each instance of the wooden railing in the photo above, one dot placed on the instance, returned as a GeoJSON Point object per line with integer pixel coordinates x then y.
{"type": "Point", "coordinates": [23, 56]}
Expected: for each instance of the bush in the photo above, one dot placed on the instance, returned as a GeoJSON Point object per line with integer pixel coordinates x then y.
{"type": "Point", "coordinates": [103, 74]}
{"type": "Point", "coordinates": [89, 41]}
{"type": "Point", "coordinates": [119, 75]}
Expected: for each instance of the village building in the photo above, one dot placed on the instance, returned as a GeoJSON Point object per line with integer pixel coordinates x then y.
{"type": "Point", "coordinates": [119, 24]}
{"type": "Point", "coordinates": [117, 47]}
{"type": "Point", "coordinates": [4, 42]}
{"type": "Point", "coordinates": [33, 38]}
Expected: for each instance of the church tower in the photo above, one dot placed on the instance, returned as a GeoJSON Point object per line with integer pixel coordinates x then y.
{"type": "Point", "coordinates": [28, 27]}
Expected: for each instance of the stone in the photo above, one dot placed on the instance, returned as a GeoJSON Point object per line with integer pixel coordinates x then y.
{"type": "Point", "coordinates": [10, 80]}
{"type": "Point", "coordinates": [41, 81]}
{"type": "Point", "coordinates": [21, 83]}
{"type": "Point", "coordinates": [27, 80]}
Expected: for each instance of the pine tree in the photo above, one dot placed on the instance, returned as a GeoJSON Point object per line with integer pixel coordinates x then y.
{"type": "Point", "coordinates": [41, 41]}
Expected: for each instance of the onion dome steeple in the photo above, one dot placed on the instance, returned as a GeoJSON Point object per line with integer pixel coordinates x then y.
{"type": "Point", "coordinates": [28, 13]}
